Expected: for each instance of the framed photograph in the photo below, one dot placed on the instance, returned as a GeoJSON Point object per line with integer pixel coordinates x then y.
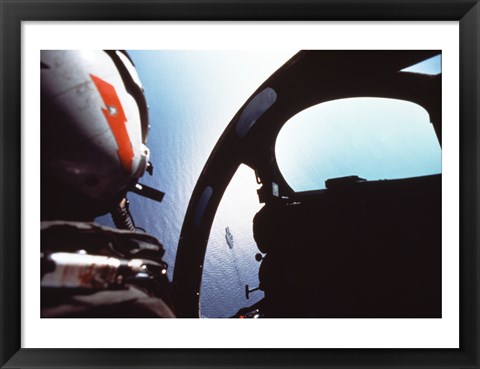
{"type": "Point", "coordinates": [310, 165]}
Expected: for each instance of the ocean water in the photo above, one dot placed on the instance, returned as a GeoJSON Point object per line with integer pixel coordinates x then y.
{"type": "Point", "coordinates": [231, 265]}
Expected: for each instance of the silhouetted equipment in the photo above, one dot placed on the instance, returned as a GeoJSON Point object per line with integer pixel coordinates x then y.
{"type": "Point", "coordinates": [249, 290]}
{"type": "Point", "coordinates": [371, 249]}
{"type": "Point", "coordinates": [258, 257]}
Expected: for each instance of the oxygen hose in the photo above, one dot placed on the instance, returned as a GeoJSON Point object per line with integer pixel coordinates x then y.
{"type": "Point", "coordinates": [121, 216]}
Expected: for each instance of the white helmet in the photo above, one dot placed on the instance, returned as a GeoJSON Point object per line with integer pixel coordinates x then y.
{"type": "Point", "coordinates": [94, 123]}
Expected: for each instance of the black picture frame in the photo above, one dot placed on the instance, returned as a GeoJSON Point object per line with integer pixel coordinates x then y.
{"type": "Point", "coordinates": [467, 12]}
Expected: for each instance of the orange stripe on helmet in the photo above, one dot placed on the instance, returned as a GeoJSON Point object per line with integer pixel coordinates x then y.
{"type": "Point", "coordinates": [116, 120]}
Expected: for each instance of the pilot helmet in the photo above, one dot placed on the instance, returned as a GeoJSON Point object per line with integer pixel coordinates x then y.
{"type": "Point", "coordinates": [94, 127]}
